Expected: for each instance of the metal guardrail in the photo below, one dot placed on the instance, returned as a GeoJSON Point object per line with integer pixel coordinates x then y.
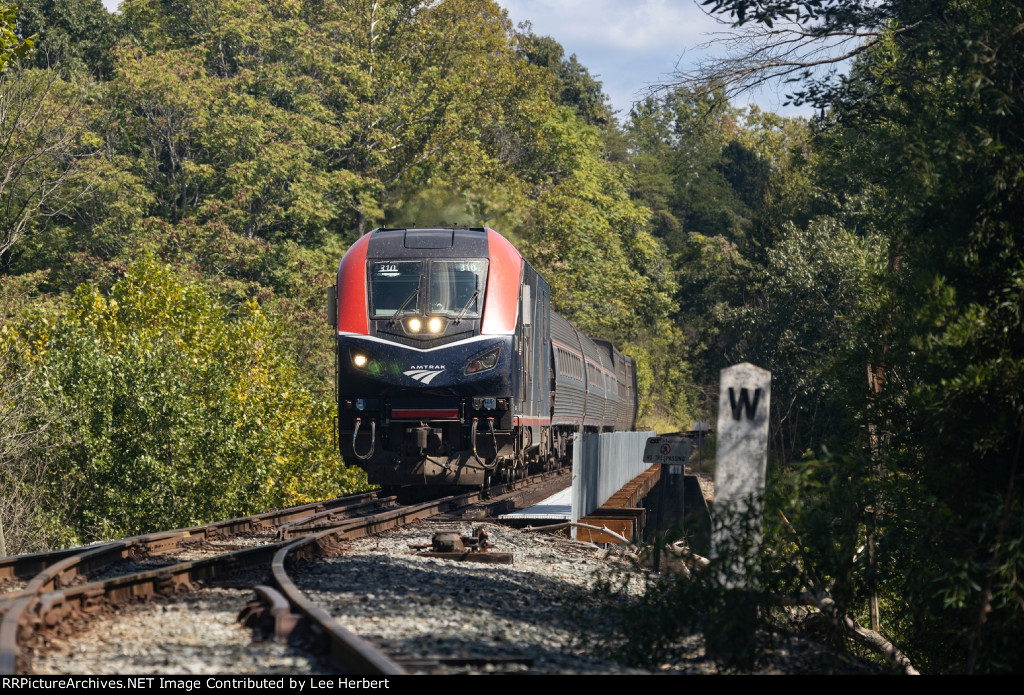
{"type": "Point", "coordinates": [602, 464]}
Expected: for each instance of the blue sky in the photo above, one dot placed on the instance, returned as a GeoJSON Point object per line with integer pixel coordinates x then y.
{"type": "Point", "coordinates": [626, 44]}
{"type": "Point", "coordinates": [631, 44]}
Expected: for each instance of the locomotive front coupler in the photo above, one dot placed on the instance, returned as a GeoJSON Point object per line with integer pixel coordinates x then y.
{"type": "Point", "coordinates": [424, 437]}
{"type": "Point", "coordinates": [421, 434]}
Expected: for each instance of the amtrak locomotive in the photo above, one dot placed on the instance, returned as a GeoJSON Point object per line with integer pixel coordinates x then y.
{"type": "Point", "coordinates": [453, 370]}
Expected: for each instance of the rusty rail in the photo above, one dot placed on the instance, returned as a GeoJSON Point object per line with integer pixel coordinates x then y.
{"type": "Point", "coordinates": [49, 600]}
{"type": "Point", "coordinates": [30, 565]}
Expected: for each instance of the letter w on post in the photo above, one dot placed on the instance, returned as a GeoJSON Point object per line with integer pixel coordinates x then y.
{"type": "Point", "coordinates": [744, 404]}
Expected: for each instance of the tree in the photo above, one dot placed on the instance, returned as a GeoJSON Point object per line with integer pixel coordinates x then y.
{"type": "Point", "coordinates": [793, 41]}
{"type": "Point", "coordinates": [308, 118]}
{"type": "Point", "coordinates": [24, 526]}
{"type": "Point", "coordinates": [13, 46]}
{"type": "Point", "coordinates": [73, 36]}
{"type": "Point", "coordinates": [174, 410]}
{"type": "Point", "coordinates": [807, 312]}
{"type": "Point", "coordinates": [683, 146]}
{"type": "Point", "coordinates": [41, 146]}
{"type": "Point", "coordinates": [40, 140]}
{"type": "Point", "coordinates": [574, 85]}
{"type": "Point", "coordinates": [921, 143]}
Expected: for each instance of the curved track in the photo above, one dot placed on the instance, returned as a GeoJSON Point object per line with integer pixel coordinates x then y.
{"type": "Point", "coordinates": [62, 588]}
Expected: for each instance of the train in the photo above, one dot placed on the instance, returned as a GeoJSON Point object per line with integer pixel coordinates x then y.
{"type": "Point", "coordinates": [451, 368]}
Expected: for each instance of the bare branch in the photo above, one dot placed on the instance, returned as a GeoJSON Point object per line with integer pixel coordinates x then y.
{"type": "Point", "coordinates": [757, 54]}
{"type": "Point", "coordinates": [867, 638]}
{"type": "Point", "coordinates": [38, 157]}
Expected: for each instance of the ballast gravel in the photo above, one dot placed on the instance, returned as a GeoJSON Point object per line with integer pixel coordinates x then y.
{"type": "Point", "coordinates": [189, 634]}
{"type": "Point", "coordinates": [487, 617]}
{"type": "Point", "coordinates": [499, 618]}
{"type": "Point", "coordinates": [432, 615]}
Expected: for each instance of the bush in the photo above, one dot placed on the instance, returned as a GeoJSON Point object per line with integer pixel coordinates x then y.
{"type": "Point", "coordinates": [170, 410]}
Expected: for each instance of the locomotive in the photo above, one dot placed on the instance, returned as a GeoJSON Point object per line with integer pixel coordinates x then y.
{"type": "Point", "coordinates": [452, 370]}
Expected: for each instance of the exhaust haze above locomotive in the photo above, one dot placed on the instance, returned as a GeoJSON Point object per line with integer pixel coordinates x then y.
{"type": "Point", "coordinates": [451, 367]}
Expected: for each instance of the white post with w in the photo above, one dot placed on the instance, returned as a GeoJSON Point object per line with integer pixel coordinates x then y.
{"type": "Point", "coordinates": [741, 461]}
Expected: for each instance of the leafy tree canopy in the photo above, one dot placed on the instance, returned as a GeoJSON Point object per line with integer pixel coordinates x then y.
{"type": "Point", "coordinates": [73, 35]}
{"type": "Point", "coordinates": [13, 45]}
{"type": "Point", "coordinates": [174, 410]}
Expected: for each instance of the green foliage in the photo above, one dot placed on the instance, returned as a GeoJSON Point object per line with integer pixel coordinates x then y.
{"type": "Point", "coordinates": [709, 169]}
{"type": "Point", "coordinates": [574, 86]}
{"type": "Point", "coordinates": [665, 382]}
{"type": "Point", "coordinates": [27, 522]}
{"type": "Point", "coordinates": [588, 238]}
{"type": "Point", "coordinates": [13, 46]}
{"type": "Point", "coordinates": [209, 151]}
{"type": "Point", "coordinates": [175, 412]}
{"type": "Point", "coordinates": [74, 36]}
{"type": "Point", "coordinates": [904, 258]}
{"type": "Point", "coordinates": [942, 142]}
{"type": "Point", "coordinates": [42, 143]}
{"type": "Point", "coordinates": [827, 505]}
{"type": "Point", "coordinates": [730, 606]}
{"type": "Point", "coordinates": [806, 317]}
{"type": "Point", "coordinates": [721, 185]}
{"type": "Point", "coordinates": [291, 121]}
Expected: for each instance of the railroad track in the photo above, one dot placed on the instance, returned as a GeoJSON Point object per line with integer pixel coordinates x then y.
{"type": "Point", "coordinates": [53, 593]}
{"type": "Point", "coordinates": [68, 565]}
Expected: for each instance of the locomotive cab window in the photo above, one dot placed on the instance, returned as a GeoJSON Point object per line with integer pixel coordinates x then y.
{"type": "Point", "coordinates": [457, 287]}
{"type": "Point", "coordinates": [394, 286]}
{"type": "Point", "coordinates": [453, 288]}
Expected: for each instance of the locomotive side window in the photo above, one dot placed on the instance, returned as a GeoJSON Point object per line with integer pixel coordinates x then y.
{"type": "Point", "coordinates": [457, 287]}
{"type": "Point", "coordinates": [394, 286]}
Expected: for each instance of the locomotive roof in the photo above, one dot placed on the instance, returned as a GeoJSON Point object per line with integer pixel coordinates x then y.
{"type": "Point", "coordinates": [440, 242]}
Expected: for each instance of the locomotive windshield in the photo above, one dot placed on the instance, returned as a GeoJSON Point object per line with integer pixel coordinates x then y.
{"type": "Point", "coordinates": [453, 287]}
{"type": "Point", "coordinates": [394, 285]}
{"type": "Point", "coordinates": [456, 287]}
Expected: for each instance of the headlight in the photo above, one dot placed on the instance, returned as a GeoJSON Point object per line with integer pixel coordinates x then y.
{"type": "Point", "coordinates": [434, 325]}
{"type": "Point", "coordinates": [414, 325]}
{"type": "Point", "coordinates": [364, 361]}
{"type": "Point", "coordinates": [483, 362]}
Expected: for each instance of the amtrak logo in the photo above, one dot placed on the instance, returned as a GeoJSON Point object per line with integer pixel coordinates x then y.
{"type": "Point", "coordinates": [425, 373]}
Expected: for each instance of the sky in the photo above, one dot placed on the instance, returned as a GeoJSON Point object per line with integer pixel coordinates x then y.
{"type": "Point", "coordinates": [628, 45]}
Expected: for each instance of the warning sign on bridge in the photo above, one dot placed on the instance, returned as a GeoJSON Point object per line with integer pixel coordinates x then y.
{"type": "Point", "coordinates": [671, 450]}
